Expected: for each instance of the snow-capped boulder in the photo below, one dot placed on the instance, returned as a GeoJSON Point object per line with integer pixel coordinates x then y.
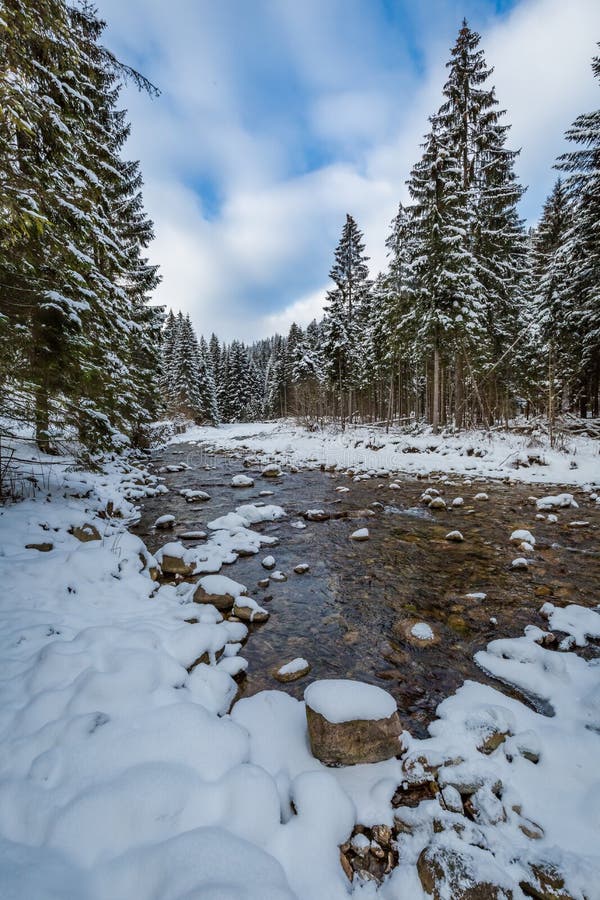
{"type": "Point", "coordinates": [272, 471]}
{"type": "Point", "coordinates": [249, 610]}
{"type": "Point", "coordinates": [520, 535]}
{"type": "Point", "coordinates": [437, 503]}
{"type": "Point", "coordinates": [557, 501]}
{"type": "Point", "coordinates": [164, 522]}
{"type": "Point", "coordinates": [219, 590]}
{"type": "Point", "coordinates": [242, 481]}
{"type": "Point", "coordinates": [350, 722]}
{"type": "Point", "coordinates": [293, 670]}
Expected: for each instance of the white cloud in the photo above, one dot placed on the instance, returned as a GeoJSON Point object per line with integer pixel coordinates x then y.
{"type": "Point", "coordinates": [263, 257]}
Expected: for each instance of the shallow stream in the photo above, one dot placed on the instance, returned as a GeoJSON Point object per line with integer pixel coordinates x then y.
{"type": "Point", "coordinates": [350, 614]}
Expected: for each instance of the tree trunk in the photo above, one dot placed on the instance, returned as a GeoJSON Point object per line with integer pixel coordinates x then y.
{"type": "Point", "coordinates": [459, 391]}
{"type": "Point", "coordinates": [435, 405]}
{"type": "Point", "coordinates": [42, 419]}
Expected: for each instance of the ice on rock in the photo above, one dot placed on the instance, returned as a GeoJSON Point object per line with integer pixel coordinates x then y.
{"type": "Point", "coordinates": [361, 534]}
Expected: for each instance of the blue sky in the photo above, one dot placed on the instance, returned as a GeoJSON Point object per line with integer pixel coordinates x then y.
{"type": "Point", "coordinates": [277, 117]}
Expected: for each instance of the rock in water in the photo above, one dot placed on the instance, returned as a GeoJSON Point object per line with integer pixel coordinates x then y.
{"type": "Point", "coordinates": [242, 481]}
{"type": "Point", "coordinates": [167, 521]}
{"type": "Point", "coordinates": [350, 722]}
{"type": "Point", "coordinates": [293, 670]}
{"type": "Point", "coordinates": [362, 534]}
{"type": "Point", "coordinates": [455, 536]}
{"type": "Point", "coordinates": [218, 590]}
{"type": "Point", "coordinates": [272, 471]}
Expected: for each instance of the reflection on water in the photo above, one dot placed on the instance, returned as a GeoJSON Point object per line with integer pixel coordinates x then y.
{"type": "Point", "coordinates": [350, 615]}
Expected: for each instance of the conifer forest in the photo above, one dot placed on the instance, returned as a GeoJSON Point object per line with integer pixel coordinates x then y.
{"type": "Point", "coordinates": [476, 318]}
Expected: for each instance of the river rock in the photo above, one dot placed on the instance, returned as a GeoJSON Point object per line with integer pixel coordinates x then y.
{"type": "Point", "coordinates": [175, 565]}
{"type": "Point", "coordinates": [468, 874]}
{"type": "Point", "coordinates": [165, 522]}
{"type": "Point", "coordinates": [278, 576]}
{"type": "Point", "coordinates": [272, 471]}
{"type": "Point", "coordinates": [350, 722]}
{"type": "Point", "coordinates": [417, 633]}
{"type": "Point", "coordinates": [458, 501]}
{"type": "Point", "coordinates": [87, 532]}
{"type": "Point", "coordinates": [219, 590]}
{"type": "Point", "coordinates": [455, 536]}
{"type": "Point", "coordinates": [545, 882]}
{"type": "Point", "coordinates": [301, 568]}
{"type": "Point", "coordinates": [44, 547]}
{"type": "Point", "coordinates": [481, 496]}
{"type": "Point", "coordinates": [437, 503]}
{"type": "Point", "coordinates": [293, 670]}
{"type": "Point", "coordinates": [316, 515]}
{"type": "Point", "coordinates": [362, 534]}
{"type": "Point", "coordinates": [248, 610]}
{"type": "Point", "coordinates": [268, 562]}
{"type": "Point", "coordinates": [519, 564]}
{"type": "Point", "coordinates": [242, 481]}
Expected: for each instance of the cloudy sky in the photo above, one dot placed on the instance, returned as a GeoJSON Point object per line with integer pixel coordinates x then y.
{"type": "Point", "coordinates": [277, 117]}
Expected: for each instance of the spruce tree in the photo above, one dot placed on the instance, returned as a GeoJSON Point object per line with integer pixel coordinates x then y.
{"type": "Point", "coordinates": [442, 272]}
{"type": "Point", "coordinates": [583, 245]}
{"type": "Point", "coordinates": [492, 237]}
{"type": "Point", "coordinates": [350, 274]}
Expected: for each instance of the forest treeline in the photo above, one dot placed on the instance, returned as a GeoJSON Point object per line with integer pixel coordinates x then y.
{"type": "Point", "coordinates": [475, 318]}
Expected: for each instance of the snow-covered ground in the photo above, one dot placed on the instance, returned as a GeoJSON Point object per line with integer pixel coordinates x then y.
{"type": "Point", "coordinates": [497, 454]}
{"type": "Point", "coordinates": [123, 774]}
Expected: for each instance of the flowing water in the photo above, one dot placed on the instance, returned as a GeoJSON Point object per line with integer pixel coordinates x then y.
{"type": "Point", "coordinates": [350, 616]}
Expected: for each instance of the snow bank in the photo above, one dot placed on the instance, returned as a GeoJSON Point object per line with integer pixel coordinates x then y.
{"type": "Point", "coordinates": [125, 772]}
{"type": "Point", "coordinates": [496, 454]}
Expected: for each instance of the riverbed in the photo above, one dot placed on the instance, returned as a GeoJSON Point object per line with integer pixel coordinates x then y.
{"type": "Point", "coordinates": [351, 614]}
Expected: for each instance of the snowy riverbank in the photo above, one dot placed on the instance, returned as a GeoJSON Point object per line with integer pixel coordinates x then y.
{"type": "Point", "coordinates": [123, 775]}
{"type": "Point", "coordinates": [496, 454]}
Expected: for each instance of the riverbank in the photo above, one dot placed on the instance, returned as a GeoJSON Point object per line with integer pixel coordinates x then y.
{"type": "Point", "coordinates": [123, 774]}
{"type": "Point", "coordinates": [492, 454]}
